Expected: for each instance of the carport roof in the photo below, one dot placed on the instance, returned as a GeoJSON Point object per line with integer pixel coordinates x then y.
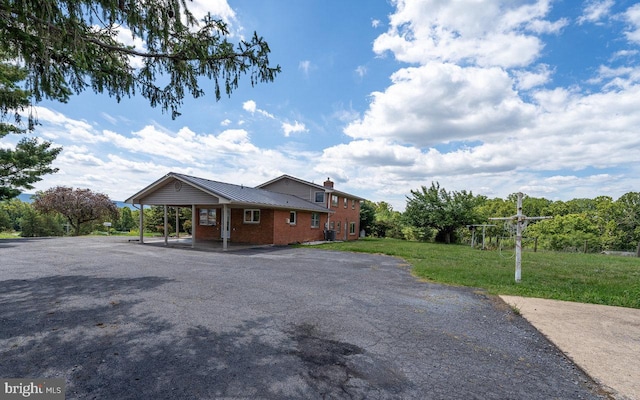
{"type": "Point", "coordinates": [235, 194]}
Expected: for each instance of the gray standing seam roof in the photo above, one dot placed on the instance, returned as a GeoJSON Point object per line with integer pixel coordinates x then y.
{"type": "Point", "coordinates": [251, 196]}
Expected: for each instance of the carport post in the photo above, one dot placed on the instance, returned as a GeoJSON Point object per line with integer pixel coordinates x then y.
{"type": "Point", "coordinates": [141, 227]}
{"type": "Point", "coordinates": [193, 226]}
{"type": "Point", "coordinates": [223, 228]}
{"type": "Point", "coordinates": [166, 226]}
{"type": "Point", "coordinates": [177, 223]}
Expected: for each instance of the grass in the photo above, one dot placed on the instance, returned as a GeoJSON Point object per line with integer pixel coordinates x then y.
{"type": "Point", "coordinates": [9, 235]}
{"type": "Point", "coordinates": [585, 278]}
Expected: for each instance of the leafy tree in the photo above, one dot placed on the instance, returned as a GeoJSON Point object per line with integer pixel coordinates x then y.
{"type": "Point", "coordinates": [367, 215]}
{"type": "Point", "coordinates": [69, 46]}
{"type": "Point", "coordinates": [567, 232]}
{"type": "Point", "coordinates": [387, 222]}
{"type": "Point", "coordinates": [78, 206]}
{"type": "Point", "coordinates": [154, 219]}
{"type": "Point", "coordinates": [31, 158]}
{"type": "Point", "coordinates": [126, 221]}
{"type": "Point", "coordinates": [11, 212]}
{"type": "Point", "coordinates": [34, 224]}
{"type": "Point", "coordinates": [444, 211]}
{"type": "Point", "coordinates": [628, 219]}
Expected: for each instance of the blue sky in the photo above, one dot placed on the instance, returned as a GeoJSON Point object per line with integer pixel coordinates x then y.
{"type": "Point", "coordinates": [383, 97]}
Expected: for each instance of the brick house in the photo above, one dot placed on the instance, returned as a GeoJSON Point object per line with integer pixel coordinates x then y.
{"type": "Point", "coordinates": [344, 218]}
{"type": "Point", "coordinates": [282, 211]}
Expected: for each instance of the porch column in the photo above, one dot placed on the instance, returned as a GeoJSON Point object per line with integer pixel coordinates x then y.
{"type": "Point", "coordinates": [166, 226]}
{"type": "Point", "coordinates": [141, 223]}
{"type": "Point", "coordinates": [177, 223]}
{"type": "Point", "coordinates": [193, 226]}
{"type": "Point", "coordinates": [225, 224]}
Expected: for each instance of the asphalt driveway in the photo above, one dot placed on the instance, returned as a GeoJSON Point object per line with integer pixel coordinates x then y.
{"type": "Point", "coordinates": [120, 320]}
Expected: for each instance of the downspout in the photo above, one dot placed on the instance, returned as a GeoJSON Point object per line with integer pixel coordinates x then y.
{"type": "Point", "coordinates": [328, 212]}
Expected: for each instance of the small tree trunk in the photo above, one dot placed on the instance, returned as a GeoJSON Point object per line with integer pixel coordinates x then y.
{"type": "Point", "coordinates": [638, 249]}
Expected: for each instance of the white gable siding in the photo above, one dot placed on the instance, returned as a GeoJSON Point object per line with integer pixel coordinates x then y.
{"type": "Point", "coordinates": [168, 194]}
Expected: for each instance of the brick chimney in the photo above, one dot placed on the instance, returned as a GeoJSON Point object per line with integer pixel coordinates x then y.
{"type": "Point", "coordinates": [328, 184]}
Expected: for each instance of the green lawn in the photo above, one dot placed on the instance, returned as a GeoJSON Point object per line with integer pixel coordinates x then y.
{"type": "Point", "coordinates": [586, 278]}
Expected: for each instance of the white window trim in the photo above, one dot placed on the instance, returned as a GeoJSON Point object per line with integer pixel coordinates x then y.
{"type": "Point", "coordinates": [294, 220]}
{"type": "Point", "coordinates": [315, 223]}
{"type": "Point", "coordinates": [208, 219]}
{"type": "Point", "coordinates": [253, 212]}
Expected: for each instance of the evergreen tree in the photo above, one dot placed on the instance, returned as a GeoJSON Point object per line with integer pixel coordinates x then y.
{"type": "Point", "coordinates": [31, 158]}
{"type": "Point", "coordinates": [69, 46]}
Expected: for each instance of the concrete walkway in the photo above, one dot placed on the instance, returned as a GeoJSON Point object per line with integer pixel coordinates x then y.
{"type": "Point", "coordinates": [603, 340]}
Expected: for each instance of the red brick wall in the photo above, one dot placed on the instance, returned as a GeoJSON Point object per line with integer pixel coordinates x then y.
{"type": "Point", "coordinates": [204, 232]}
{"type": "Point", "coordinates": [254, 233]}
{"type": "Point", "coordinates": [301, 231]}
{"type": "Point", "coordinates": [273, 227]}
{"type": "Point", "coordinates": [345, 216]}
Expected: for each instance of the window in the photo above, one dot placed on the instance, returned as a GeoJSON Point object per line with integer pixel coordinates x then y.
{"type": "Point", "coordinates": [251, 216]}
{"type": "Point", "coordinates": [320, 197]}
{"type": "Point", "coordinates": [315, 220]}
{"type": "Point", "coordinates": [353, 204]}
{"type": "Point", "coordinates": [338, 227]}
{"type": "Point", "coordinates": [352, 228]}
{"type": "Point", "coordinates": [292, 217]}
{"type": "Point", "coordinates": [334, 200]}
{"type": "Point", "coordinates": [345, 202]}
{"type": "Point", "coordinates": [208, 216]}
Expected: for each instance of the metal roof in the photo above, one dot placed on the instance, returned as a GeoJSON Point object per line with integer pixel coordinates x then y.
{"type": "Point", "coordinates": [239, 194]}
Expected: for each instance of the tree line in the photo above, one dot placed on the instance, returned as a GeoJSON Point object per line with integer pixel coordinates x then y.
{"type": "Point", "coordinates": [435, 214]}
{"type": "Point", "coordinates": [66, 211]}
{"type": "Point", "coordinates": [431, 214]}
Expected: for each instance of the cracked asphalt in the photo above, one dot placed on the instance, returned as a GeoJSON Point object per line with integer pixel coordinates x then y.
{"type": "Point", "coordinates": [119, 320]}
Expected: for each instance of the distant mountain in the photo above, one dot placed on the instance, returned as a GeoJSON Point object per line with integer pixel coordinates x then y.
{"type": "Point", "coordinates": [26, 197]}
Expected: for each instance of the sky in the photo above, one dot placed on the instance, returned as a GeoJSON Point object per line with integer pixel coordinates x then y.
{"type": "Point", "coordinates": [385, 96]}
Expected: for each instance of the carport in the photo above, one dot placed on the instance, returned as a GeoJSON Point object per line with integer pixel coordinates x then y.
{"type": "Point", "coordinates": [184, 191]}
{"type": "Point", "coordinates": [177, 190]}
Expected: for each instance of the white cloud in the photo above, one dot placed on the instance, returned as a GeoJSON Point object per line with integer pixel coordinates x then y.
{"type": "Point", "coordinates": [632, 16]}
{"type": "Point", "coordinates": [595, 10]}
{"type": "Point", "coordinates": [252, 107]}
{"type": "Point", "coordinates": [361, 70]}
{"type": "Point", "coordinates": [296, 127]}
{"type": "Point", "coordinates": [482, 33]}
{"type": "Point", "coordinates": [441, 103]}
{"type": "Point", "coordinates": [305, 67]}
{"type": "Point", "coordinates": [59, 125]}
{"type": "Point", "coordinates": [528, 79]}
{"type": "Point", "coordinates": [249, 105]}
